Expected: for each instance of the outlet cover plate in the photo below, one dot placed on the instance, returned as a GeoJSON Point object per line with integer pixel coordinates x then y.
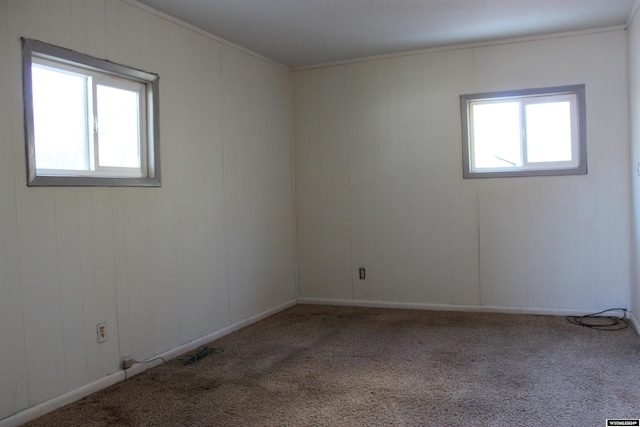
{"type": "Point", "coordinates": [102, 332]}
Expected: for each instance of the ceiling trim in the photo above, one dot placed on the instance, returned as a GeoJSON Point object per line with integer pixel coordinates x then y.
{"type": "Point", "coordinates": [472, 45]}
{"type": "Point", "coordinates": [633, 12]}
{"type": "Point", "coordinates": [204, 33]}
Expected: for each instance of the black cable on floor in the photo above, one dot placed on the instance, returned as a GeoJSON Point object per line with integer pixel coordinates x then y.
{"type": "Point", "coordinates": [601, 323]}
{"type": "Point", "coordinates": [204, 352]}
{"type": "Point", "coordinates": [186, 360]}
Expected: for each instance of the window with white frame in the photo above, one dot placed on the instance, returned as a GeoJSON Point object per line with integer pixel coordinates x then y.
{"type": "Point", "coordinates": [524, 133]}
{"type": "Point", "coordinates": [89, 122]}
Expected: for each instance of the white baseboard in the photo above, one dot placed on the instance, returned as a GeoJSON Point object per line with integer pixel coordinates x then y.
{"type": "Point", "coordinates": [634, 322]}
{"type": "Point", "coordinates": [84, 391]}
{"type": "Point", "coordinates": [444, 307]}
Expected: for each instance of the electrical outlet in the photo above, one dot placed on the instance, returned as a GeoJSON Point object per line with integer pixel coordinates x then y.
{"type": "Point", "coordinates": [102, 332]}
{"type": "Point", "coordinates": [363, 273]}
{"type": "Point", "coordinates": [127, 362]}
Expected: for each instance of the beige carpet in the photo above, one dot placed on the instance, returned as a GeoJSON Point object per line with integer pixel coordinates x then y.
{"type": "Point", "coordinates": [339, 366]}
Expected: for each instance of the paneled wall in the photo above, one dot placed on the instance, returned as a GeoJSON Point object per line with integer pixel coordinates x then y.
{"type": "Point", "coordinates": [379, 185]}
{"type": "Point", "coordinates": [161, 266]}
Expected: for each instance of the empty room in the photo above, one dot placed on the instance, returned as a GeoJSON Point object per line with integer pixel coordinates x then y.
{"type": "Point", "coordinates": [329, 212]}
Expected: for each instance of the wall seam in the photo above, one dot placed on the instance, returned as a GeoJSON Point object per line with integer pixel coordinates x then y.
{"type": "Point", "coordinates": [292, 144]}
{"type": "Point", "coordinates": [345, 80]}
{"type": "Point", "coordinates": [224, 194]}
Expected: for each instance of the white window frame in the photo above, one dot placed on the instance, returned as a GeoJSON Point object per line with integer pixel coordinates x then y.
{"type": "Point", "coordinates": [577, 165]}
{"type": "Point", "coordinates": [98, 72]}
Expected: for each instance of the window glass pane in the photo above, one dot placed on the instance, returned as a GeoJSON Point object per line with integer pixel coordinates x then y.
{"type": "Point", "coordinates": [496, 135]}
{"type": "Point", "coordinates": [59, 119]}
{"type": "Point", "coordinates": [548, 132]}
{"type": "Point", "coordinates": [118, 127]}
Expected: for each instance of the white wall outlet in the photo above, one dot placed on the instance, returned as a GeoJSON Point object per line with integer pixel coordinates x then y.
{"type": "Point", "coordinates": [126, 362]}
{"type": "Point", "coordinates": [102, 332]}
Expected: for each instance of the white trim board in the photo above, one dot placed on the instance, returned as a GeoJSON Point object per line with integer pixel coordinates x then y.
{"type": "Point", "coordinates": [447, 307]}
{"type": "Point", "coordinates": [634, 322]}
{"type": "Point", "coordinates": [204, 33]}
{"type": "Point", "coordinates": [111, 379]}
{"type": "Point", "coordinates": [633, 13]}
{"type": "Point", "coordinates": [451, 47]}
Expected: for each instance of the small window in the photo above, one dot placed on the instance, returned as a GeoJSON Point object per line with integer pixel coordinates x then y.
{"type": "Point", "coordinates": [89, 122]}
{"type": "Point", "coordinates": [524, 133]}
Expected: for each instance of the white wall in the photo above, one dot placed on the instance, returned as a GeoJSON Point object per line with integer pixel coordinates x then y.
{"type": "Point", "coordinates": [379, 183]}
{"type": "Point", "coordinates": [634, 98]}
{"type": "Point", "coordinates": [213, 246]}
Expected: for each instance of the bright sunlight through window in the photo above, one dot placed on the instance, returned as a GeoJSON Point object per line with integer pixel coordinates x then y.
{"type": "Point", "coordinates": [524, 133]}
{"type": "Point", "coordinates": [89, 121]}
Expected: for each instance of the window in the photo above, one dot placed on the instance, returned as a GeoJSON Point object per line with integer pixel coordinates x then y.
{"type": "Point", "coordinates": [89, 122]}
{"type": "Point", "coordinates": [524, 133]}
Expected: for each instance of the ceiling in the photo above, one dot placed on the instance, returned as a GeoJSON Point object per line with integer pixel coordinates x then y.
{"type": "Point", "coordinates": [301, 33]}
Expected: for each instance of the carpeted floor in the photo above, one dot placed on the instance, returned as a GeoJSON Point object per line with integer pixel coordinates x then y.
{"type": "Point", "coordinates": [342, 366]}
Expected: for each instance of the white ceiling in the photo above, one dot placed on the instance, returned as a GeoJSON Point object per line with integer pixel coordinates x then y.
{"type": "Point", "coordinates": [300, 33]}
